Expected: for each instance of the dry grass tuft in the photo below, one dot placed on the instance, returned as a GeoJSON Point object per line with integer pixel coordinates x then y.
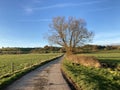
{"type": "Point", "coordinates": [84, 60]}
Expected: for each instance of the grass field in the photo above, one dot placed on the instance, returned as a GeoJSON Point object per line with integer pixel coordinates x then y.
{"type": "Point", "coordinates": [89, 78]}
{"type": "Point", "coordinates": [111, 57]}
{"type": "Point", "coordinates": [11, 64]}
{"type": "Point", "coordinates": [106, 56]}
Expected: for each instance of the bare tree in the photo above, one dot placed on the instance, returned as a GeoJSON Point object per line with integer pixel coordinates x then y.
{"type": "Point", "coordinates": [69, 33]}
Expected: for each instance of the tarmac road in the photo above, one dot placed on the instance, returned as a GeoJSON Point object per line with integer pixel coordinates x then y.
{"type": "Point", "coordinates": [46, 77]}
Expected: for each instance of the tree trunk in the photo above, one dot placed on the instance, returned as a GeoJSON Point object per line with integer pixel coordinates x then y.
{"type": "Point", "coordinates": [69, 51]}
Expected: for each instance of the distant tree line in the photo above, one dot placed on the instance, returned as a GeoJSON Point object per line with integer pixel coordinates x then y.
{"type": "Point", "coordinates": [10, 50]}
{"type": "Point", "coordinates": [95, 48]}
{"type": "Point", "coordinates": [53, 49]}
{"type": "Point", "coordinates": [16, 50]}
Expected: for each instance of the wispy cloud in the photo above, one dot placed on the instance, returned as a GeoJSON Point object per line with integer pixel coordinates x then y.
{"type": "Point", "coordinates": [28, 10]}
{"type": "Point", "coordinates": [107, 41]}
{"type": "Point", "coordinates": [35, 20]}
{"type": "Point", "coordinates": [107, 35]}
{"type": "Point", "coordinates": [19, 43]}
{"type": "Point", "coordinates": [61, 5]}
{"type": "Point", "coordinates": [107, 38]}
{"type": "Point", "coordinates": [103, 9]}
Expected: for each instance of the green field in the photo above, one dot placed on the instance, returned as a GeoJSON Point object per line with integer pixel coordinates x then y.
{"type": "Point", "coordinates": [10, 65]}
{"type": "Point", "coordinates": [89, 78]}
{"type": "Point", "coordinates": [110, 57]}
{"type": "Point", "coordinates": [18, 62]}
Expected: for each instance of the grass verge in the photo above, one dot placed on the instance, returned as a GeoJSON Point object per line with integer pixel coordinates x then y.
{"type": "Point", "coordinates": [89, 78]}
{"type": "Point", "coordinates": [11, 78]}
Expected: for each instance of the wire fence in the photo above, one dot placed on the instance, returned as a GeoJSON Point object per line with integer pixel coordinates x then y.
{"type": "Point", "coordinates": [13, 67]}
{"type": "Point", "coordinates": [11, 64]}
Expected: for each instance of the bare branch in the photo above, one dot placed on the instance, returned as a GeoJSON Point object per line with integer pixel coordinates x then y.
{"type": "Point", "coordinates": [69, 33]}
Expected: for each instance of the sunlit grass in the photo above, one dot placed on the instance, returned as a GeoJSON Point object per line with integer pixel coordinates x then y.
{"type": "Point", "coordinates": [12, 63]}
{"type": "Point", "coordinates": [13, 67]}
{"type": "Point", "coordinates": [89, 78]}
{"type": "Point", "coordinates": [106, 56]}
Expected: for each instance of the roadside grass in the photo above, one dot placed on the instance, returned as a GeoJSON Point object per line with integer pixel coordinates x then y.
{"type": "Point", "coordinates": [23, 64]}
{"type": "Point", "coordinates": [91, 78]}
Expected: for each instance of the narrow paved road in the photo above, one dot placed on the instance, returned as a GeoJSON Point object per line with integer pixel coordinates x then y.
{"type": "Point", "coordinates": [46, 77]}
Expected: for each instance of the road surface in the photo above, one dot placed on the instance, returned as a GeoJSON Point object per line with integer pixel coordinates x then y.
{"type": "Point", "coordinates": [46, 77]}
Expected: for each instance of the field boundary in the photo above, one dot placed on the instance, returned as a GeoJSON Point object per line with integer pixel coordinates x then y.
{"type": "Point", "coordinates": [20, 74]}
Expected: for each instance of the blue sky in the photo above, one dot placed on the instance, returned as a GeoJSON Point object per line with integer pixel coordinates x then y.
{"type": "Point", "coordinates": [24, 23]}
